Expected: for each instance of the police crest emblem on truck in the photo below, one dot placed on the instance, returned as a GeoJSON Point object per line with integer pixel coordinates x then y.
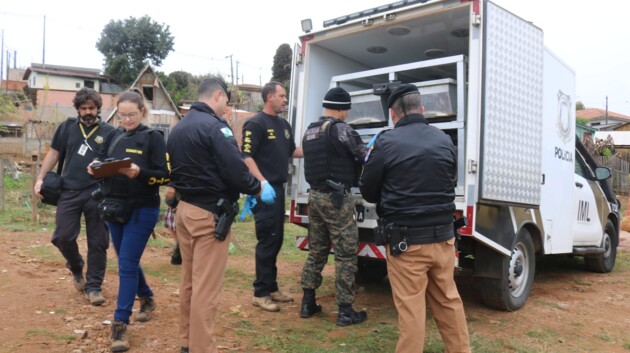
{"type": "Point", "coordinates": [564, 126]}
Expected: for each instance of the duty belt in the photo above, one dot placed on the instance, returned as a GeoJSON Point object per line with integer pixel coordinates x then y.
{"type": "Point", "coordinates": [207, 202]}
{"type": "Point", "coordinates": [426, 235]}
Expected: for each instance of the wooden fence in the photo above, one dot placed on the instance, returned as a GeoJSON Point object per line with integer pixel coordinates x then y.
{"type": "Point", "coordinates": [621, 169]}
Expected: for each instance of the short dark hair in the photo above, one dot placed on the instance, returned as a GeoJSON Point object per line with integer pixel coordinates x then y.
{"type": "Point", "coordinates": [133, 95]}
{"type": "Point", "coordinates": [408, 104]}
{"type": "Point", "coordinates": [269, 88]}
{"type": "Point", "coordinates": [87, 94]}
{"type": "Point", "coordinates": [209, 86]}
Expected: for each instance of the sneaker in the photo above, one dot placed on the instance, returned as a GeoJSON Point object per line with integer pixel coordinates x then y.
{"type": "Point", "coordinates": [147, 306]}
{"type": "Point", "coordinates": [119, 337]}
{"type": "Point", "coordinates": [265, 303]}
{"type": "Point", "coordinates": [79, 281]}
{"type": "Point", "coordinates": [278, 296]}
{"type": "Point", "coordinates": [95, 297]}
{"type": "Point", "coordinates": [184, 350]}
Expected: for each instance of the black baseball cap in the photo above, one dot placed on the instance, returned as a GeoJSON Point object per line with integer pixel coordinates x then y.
{"type": "Point", "coordinates": [401, 91]}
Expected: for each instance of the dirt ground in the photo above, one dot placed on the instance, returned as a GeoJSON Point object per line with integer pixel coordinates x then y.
{"type": "Point", "coordinates": [569, 310]}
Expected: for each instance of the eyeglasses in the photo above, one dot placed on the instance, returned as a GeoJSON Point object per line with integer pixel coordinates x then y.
{"type": "Point", "coordinates": [125, 116]}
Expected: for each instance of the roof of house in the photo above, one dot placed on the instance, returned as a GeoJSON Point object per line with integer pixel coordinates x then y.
{"type": "Point", "coordinates": [146, 68]}
{"type": "Point", "coordinates": [249, 87]}
{"type": "Point", "coordinates": [595, 113]}
{"type": "Point", "coordinates": [64, 71]}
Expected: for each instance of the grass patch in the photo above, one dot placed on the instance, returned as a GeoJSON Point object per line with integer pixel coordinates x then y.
{"type": "Point", "coordinates": [46, 252]}
{"type": "Point", "coordinates": [323, 336]}
{"type": "Point", "coordinates": [549, 304]}
{"type": "Point", "coordinates": [54, 336]}
{"type": "Point", "coordinates": [605, 336]}
{"type": "Point", "coordinates": [581, 281]}
{"type": "Point", "coordinates": [626, 345]}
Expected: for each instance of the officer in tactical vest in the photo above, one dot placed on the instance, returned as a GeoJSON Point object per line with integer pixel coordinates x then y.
{"type": "Point", "coordinates": [333, 153]}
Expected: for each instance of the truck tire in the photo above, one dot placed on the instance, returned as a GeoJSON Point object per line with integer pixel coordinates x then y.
{"type": "Point", "coordinates": [512, 290]}
{"type": "Point", "coordinates": [604, 263]}
{"type": "Point", "coordinates": [370, 271]}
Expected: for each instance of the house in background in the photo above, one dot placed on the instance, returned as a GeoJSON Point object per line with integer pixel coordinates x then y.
{"type": "Point", "coordinates": [15, 82]}
{"type": "Point", "coordinates": [163, 114]}
{"type": "Point", "coordinates": [250, 98]}
{"type": "Point", "coordinates": [51, 89]}
{"type": "Point", "coordinates": [55, 86]}
{"type": "Point", "coordinates": [600, 120]}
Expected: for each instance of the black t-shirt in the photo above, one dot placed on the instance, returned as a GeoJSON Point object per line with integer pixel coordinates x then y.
{"type": "Point", "coordinates": [269, 141]}
{"type": "Point", "coordinates": [71, 137]}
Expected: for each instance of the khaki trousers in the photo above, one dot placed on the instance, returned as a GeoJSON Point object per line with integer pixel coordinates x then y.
{"type": "Point", "coordinates": [204, 259]}
{"type": "Point", "coordinates": [424, 273]}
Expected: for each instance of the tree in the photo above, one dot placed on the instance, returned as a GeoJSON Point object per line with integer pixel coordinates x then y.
{"type": "Point", "coordinates": [281, 69]}
{"type": "Point", "coordinates": [128, 44]}
{"type": "Point", "coordinates": [579, 105]}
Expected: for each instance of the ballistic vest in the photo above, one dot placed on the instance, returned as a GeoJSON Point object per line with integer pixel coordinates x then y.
{"type": "Point", "coordinates": [321, 160]}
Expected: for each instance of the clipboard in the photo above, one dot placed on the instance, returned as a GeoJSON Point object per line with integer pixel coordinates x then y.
{"type": "Point", "coordinates": [106, 169]}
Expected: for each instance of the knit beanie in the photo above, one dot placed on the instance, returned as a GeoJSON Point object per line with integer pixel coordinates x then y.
{"type": "Point", "coordinates": [337, 98]}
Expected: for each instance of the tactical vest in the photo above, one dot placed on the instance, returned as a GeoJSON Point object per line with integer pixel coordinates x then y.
{"type": "Point", "coordinates": [321, 160]}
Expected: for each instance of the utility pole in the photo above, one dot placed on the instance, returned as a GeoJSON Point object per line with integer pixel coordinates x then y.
{"type": "Point", "coordinates": [44, 48]}
{"type": "Point", "coordinates": [15, 59]}
{"type": "Point", "coordinates": [2, 60]}
{"type": "Point", "coordinates": [231, 68]}
{"type": "Point", "coordinates": [237, 72]}
{"type": "Point", "coordinates": [606, 110]}
{"type": "Point", "coordinates": [6, 82]}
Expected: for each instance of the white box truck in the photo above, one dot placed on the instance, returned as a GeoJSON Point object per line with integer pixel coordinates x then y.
{"type": "Point", "coordinates": [526, 185]}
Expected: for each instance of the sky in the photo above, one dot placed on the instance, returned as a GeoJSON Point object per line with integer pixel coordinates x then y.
{"type": "Point", "coordinates": [590, 36]}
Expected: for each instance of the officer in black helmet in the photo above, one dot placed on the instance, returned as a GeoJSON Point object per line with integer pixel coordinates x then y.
{"type": "Point", "coordinates": [411, 175]}
{"type": "Point", "coordinates": [333, 154]}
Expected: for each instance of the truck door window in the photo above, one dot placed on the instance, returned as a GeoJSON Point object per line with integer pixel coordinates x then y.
{"type": "Point", "coordinates": [580, 167]}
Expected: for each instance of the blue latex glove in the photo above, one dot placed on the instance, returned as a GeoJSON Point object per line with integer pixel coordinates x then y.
{"type": "Point", "coordinates": [250, 202]}
{"type": "Point", "coordinates": [372, 140]}
{"type": "Point", "coordinates": [268, 194]}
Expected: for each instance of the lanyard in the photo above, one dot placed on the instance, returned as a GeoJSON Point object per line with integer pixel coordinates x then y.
{"type": "Point", "coordinates": [88, 135]}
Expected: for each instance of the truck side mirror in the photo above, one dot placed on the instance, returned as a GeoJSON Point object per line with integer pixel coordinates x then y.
{"type": "Point", "coordinates": [602, 173]}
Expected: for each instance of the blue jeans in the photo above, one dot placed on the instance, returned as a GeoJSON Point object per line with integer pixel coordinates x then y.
{"type": "Point", "coordinates": [129, 240]}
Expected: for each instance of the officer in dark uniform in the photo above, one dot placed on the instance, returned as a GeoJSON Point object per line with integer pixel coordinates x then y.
{"type": "Point", "coordinates": [206, 166]}
{"type": "Point", "coordinates": [267, 146]}
{"type": "Point", "coordinates": [333, 154]}
{"type": "Point", "coordinates": [411, 175]}
{"type": "Point", "coordinates": [76, 142]}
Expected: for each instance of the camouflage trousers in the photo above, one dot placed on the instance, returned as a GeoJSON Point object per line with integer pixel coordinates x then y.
{"type": "Point", "coordinates": [330, 225]}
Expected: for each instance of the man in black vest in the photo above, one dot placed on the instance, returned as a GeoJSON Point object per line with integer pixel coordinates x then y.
{"type": "Point", "coordinates": [78, 140]}
{"type": "Point", "coordinates": [333, 154]}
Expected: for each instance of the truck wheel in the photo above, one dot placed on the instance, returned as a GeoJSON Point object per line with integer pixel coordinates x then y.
{"type": "Point", "coordinates": [512, 290]}
{"type": "Point", "coordinates": [605, 262]}
{"type": "Point", "coordinates": [370, 271]}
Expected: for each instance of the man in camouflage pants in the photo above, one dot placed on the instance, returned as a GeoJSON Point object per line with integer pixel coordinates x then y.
{"type": "Point", "coordinates": [333, 154]}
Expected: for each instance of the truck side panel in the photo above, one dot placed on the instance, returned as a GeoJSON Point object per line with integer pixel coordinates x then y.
{"type": "Point", "coordinates": [512, 109]}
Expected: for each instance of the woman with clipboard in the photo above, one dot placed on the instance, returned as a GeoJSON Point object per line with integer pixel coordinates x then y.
{"type": "Point", "coordinates": [131, 205]}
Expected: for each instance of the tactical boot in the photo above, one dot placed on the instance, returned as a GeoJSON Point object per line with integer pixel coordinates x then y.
{"type": "Point", "coordinates": [79, 281]}
{"type": "Point", "coordinates": [176, 258]}
{"type": "Point", "coordinates": [265, 303]}
{"type": "Point", "coordinates": [347, 316]}
{"type": "Point", "coordinates": [278, 296]}
{"type": "Point", "coordinates": [119, 337]}
{"type": "Point", "coordinates": [95, 297]}
{"type": "Point", "coordinates": [147, 306]}
{"type": "Point", "coordinates": [309, 305]}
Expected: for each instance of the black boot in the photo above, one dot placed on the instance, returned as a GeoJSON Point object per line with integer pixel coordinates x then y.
{"type": "Point", "coordinates": [119, 339]}
{"type": "Point", "coordinates": [347, 316]}
{"type": "Point", "coordinates": [309, 306]}
{"type": "Point", "coordinates": [176, 258]}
